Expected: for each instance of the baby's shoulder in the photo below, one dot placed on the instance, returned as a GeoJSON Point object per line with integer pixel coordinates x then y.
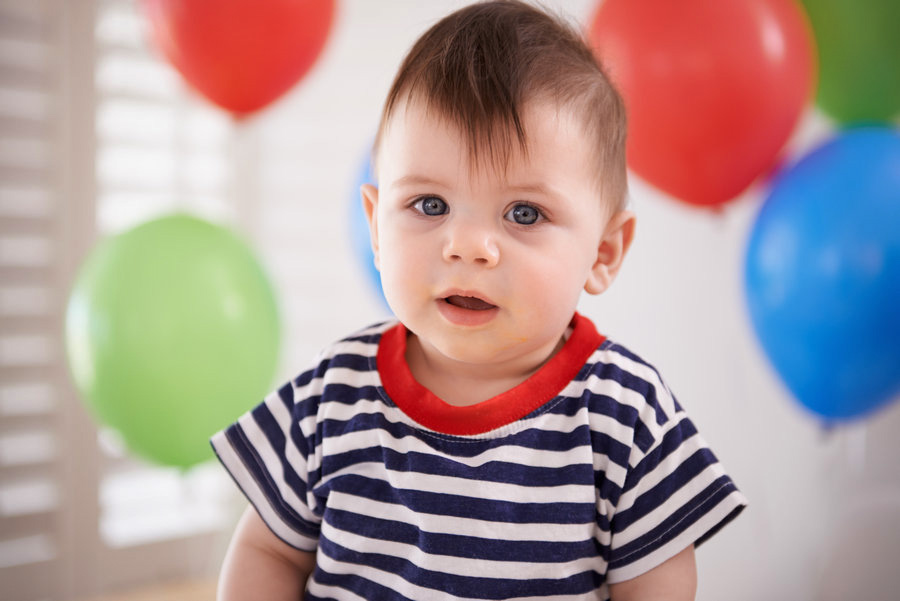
{"type": "Point", "coordinates": [621, 383]}
{"type": "Point", "coordinates": [613, 360]}
{"type": "Point", "coordinates": [362, 343]}
{"type": "Point", "coordinates": [348, 359]}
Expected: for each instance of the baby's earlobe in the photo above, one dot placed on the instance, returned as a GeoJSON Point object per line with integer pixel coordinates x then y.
{"type": "Point", "coordinates": [599, 280]}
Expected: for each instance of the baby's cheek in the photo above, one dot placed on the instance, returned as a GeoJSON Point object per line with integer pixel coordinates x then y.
{"type": "Point", "coordinates": [510, 338]}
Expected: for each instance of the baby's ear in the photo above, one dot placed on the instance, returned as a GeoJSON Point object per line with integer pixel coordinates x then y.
{"type": "Point", "coordinates": [370, 206]}
{"type": "Point", "coordinates": [611, 252]}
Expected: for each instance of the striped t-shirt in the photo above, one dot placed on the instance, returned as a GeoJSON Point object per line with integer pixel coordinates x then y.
{"type": "Point", "coordinates": [587, 473]}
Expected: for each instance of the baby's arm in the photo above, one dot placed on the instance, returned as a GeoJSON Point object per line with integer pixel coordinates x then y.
{"type": "Point", "coordinates": [259, 565]}
{"type": "Point", "coordinates": [672, 580]}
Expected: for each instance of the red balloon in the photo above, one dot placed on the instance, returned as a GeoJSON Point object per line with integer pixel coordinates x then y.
{"type": "Point", "coordinates": [241, 54]}
{"type": "Point", "coordinates": [713, 88]}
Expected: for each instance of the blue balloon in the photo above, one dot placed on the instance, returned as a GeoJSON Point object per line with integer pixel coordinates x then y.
{"type": "Point", "coordinates": [359, 229]}
{"type": "Point", "coordinates": [822, 275]}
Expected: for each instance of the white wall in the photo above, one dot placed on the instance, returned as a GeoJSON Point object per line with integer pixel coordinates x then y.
{"type": "Point", "coordinates": [824, 506]}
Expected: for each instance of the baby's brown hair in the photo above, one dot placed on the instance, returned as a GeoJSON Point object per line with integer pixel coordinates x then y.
{"type": "Point", "coordinates": [479, 66]}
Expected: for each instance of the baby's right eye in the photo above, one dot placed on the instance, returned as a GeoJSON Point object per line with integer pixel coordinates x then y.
{"type": "Point", "coordinates": [430, 205]}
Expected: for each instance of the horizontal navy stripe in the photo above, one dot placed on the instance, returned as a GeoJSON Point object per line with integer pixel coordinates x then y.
{"type": "Point", "coordinates": [617, 452]}
{"type": "Point", "coordinates": [306, 377]}
{"type": "Point", "coordinates": [539, 549]}
{"type": "Point", "coordinates": [345, 394]}
{"type": "Point", "coordinates": [462, 506]}
{"type": "Point", "coordinates": [286, 394]}
{"type": "Point", "coordinates": [463, 586]}
{"type": "Point", "coordinates": [607, 489]}
{"type": "Point", "coordinates": [492, 471]}
{"type": "Point", "coordinates": [357, 584]}
{"type": "Point", "coordinates": [530, 438]}
{"type": "Point", "coordinates": [351, 361]}
{"type": "Point", "coordinates": [601, 404]}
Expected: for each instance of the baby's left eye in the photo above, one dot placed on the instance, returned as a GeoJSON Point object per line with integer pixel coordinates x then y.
{"type": "Point", "coordinates": [524, 214]}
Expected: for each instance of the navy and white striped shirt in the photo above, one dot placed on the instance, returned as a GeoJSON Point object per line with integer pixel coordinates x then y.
{"type": "Point", "coordinates": [586, 474]}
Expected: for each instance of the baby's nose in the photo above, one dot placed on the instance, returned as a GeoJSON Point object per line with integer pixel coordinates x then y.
{"type": "Point", "coordinates": [471, 244]}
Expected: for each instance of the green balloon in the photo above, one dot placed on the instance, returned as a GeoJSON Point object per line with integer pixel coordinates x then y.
{"type": "Point", "coordinates": [859, 58]}
{"type": "Point", "coordinates": [172, 332]}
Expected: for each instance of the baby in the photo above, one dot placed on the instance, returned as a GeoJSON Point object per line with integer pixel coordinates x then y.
{"type": "Point", "coordinates": [489, 444]}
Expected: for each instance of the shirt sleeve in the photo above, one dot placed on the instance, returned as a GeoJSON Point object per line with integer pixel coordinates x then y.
{"type": "Point", "coordinates": [675, 493]}
{"type": "Point", "coordinates": [270, 452]}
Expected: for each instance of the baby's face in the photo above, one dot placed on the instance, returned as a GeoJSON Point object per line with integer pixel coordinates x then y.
{"type": "Point", "coordinates": [485, 267]}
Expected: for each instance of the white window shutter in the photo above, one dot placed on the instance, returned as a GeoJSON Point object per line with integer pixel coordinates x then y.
{"type": "Point", "coordinates": [97, 134]}
{"type": "Point", "coordinates": [36, 425]}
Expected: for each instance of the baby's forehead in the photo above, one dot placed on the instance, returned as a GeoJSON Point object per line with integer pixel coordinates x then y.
{"type": "Point", "coordinates": [490, 147]}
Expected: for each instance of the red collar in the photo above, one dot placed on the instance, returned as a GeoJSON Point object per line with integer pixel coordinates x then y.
{"type": "Point", "coordinates": [424, 407]}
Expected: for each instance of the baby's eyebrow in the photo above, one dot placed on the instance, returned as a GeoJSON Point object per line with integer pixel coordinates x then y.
{"type": "Point", "coordinates": [538, 188]}
{"type": "Point", "coordinates": [417, 180]}
{"type": "Point", "coordinates": [531, 188]}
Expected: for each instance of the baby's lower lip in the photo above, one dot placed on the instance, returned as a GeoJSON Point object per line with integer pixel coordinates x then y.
{"type": "Point", "coordinates": [466, 311]}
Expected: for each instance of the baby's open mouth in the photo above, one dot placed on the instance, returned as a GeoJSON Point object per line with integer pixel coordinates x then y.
{"type": "Point", "coordinates": [469, 302]}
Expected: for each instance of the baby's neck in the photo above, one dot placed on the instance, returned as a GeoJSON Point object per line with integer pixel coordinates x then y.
{"type": "Point", "coordinates": [463, 384]}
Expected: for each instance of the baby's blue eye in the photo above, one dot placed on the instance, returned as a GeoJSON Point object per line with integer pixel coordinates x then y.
{"type": "Point", "coordinates": [524, 214]}
{"type": "Point", "coordinates": [431, 205]}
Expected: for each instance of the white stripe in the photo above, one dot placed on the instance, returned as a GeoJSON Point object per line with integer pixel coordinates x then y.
{"type": "Point", "coordinates": [554, 422]}
{"type": "Point", "coordinates": [345, 412]}
{"type": "Point", "coordinates": [402, 587]}
{"type": "Point", "coordinates": [525, 456]}
{"type": "Point", "coordinates": [548, 422]}
{"type": "Point", "coordinates": [332, 592]}
{"type": "Point", "coordinates": [459, 566]}
{"type": "Point", "coordinates": [605, 424]}
{"type": "Point", "coordinates": [351, 377]}
{"type": "Point", "coordinates": [614, 472]}
{"type": "Point", "coordinates": [256, 496]}
{"type": "Point", "coordinates": [441, 524]}
{"type": "Point", "coordinates": [386, 579]}
{"type": "Point", "coordinates": [604, 537]}
{"type": "Point", "coordinates": [354, 347]}
{"type": "Point", "coordinates": [473, 489]}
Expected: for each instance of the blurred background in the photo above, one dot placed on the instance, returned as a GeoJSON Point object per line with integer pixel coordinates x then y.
{"type": "Point", "coordinates": [99, 133]}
